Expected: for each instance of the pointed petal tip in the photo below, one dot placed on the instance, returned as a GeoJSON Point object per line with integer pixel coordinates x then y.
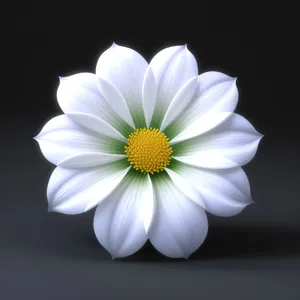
{"type": "Point", "coordinates": [38, 137]}
{"type": "Point", "coordinates": [61, 78]}
{"type": "Point", "coordinates": [89, 207]}
{"type": "Point", "coordinates": [114, 45]}
{"type": "Point", "coordinates": [53, 209]}
{"type": "Point", "coordinates": [259, 136]}
{"type": "Point", "coordinates": [251, 201]}
{"type": "Point", "coordinates": [181, 47]}
{"type": "Point", "coordinates": [185, 47]}
{"type": "Point", "coordinates": [113, 256]}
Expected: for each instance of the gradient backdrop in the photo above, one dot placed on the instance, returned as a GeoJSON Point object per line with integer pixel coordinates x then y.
{"type": "Point", "coordinates": [255, 255]}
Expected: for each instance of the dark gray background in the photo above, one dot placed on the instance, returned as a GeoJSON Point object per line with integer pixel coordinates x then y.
{"type": "Point", "coordinates": [255, 255]}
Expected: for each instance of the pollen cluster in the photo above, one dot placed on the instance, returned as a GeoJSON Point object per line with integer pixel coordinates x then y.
{"type": "Point", "coordinates": [148, 150]}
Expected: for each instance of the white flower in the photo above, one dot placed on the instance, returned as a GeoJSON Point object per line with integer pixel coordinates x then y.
{"type": "Point", "coordinates": [152, 146]}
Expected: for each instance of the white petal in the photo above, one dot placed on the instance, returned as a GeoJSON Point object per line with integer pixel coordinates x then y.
{"type": "Point", "coordinates": [97, 125]}
{"type": "Point", "coordinates": [149, 95]}
{"type": "Point", "coordinates": [125, 69]}
{"type": "Point", "coordinates": [233, 142]}
{"type": "Point", "coordinates": [200, 126]}
{"type": "Point", "coordinates": [74, 191]}
{"type": "Point", "coordinates": [206, 160]}
{"type": "Point", "coordinates": [90, 159]}
{"type": "Point", "coordinates": [115, 100]}
{"type": "Point", "coordinates": [119, 221]}
{"type": "Point", "coordinates": [226, 192]}
{"type": "Point", "coordinates": [172, 68]}
{"type": "Point", "coordinates": [186, 187]}
{"type": "Point", "coordinates": [180, 225]}
{"type": "Point", "coordinates": [80, 93]}
{"type": "Point", "coordinates": [180, 102]}
{"type": "Point", "coordinates": [148, 206]}
{"type": "Point", "coordinates": [61, 138]}
{"type": "Point", "coordinates": [216, 92]}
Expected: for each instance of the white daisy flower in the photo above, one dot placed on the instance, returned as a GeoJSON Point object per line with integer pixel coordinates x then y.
{"type": "Point", "coordinates": [153, 146]}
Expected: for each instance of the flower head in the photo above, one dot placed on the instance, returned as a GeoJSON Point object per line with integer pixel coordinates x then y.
{"type": "Point", "coordinates": [153, 146]}
{"type": "Point", "coordinates": [148, 150]}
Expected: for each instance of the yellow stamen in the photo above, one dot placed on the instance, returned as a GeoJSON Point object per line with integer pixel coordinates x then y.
{"type": "Point", "coordinates": [148, 150]}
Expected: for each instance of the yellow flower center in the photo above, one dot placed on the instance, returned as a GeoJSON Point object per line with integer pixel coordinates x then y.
{"type": "Point", "coordinates": [148, 150]}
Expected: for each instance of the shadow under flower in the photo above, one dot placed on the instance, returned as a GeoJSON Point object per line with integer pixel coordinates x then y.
{"type": "Point", "coordinates": [235, 242]}
{"type": "Point", "coordinates": [222, 243]}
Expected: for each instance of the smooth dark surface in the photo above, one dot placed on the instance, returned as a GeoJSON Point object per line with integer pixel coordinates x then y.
{"type": "Point", "coordinates": [255, 255]}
